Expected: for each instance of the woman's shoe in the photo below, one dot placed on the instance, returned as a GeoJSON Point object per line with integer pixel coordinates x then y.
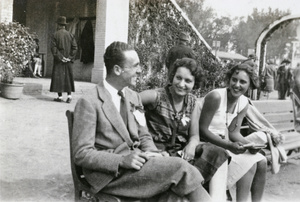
{"type": "Point", "coordinates": [58, 99]}
{"type": "Point", "coordinates": [69, 100]}
{"type": "Point", "coordinates": [39, 75]}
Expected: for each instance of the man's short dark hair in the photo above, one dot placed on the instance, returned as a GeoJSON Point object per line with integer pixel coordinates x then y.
{"type": "Point", "coordinates": [114, 55]}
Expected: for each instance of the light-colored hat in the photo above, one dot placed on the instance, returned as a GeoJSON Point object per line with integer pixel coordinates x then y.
{"type": "Point", "coordinates": [61, 20]}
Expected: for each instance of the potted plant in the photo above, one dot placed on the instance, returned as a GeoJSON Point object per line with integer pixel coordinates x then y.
{"type": "Point", "coordinates": [16, 48]}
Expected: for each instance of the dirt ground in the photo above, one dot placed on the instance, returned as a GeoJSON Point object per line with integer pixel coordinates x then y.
{"type": "Point", "coordinates": [35, 158]}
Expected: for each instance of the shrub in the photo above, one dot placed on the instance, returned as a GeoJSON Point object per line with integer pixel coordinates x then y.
{"type": "Point", "coordinates": [16, 48]}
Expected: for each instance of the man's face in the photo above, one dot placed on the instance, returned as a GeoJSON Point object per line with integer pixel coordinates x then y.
{"type": "Point", "coordinates": [131, 68]}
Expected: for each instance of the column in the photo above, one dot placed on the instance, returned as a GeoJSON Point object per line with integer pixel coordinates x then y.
{"type": "Point", "coordinates": [111, 25]}
{"type": "Point", "coordinates": [6, 10]}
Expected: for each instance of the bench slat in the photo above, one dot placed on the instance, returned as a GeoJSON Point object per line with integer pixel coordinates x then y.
{"type": "Point", "coordinates": [280, 114]}
{"type": "Point", "coordinates": [274, 106]}
{"type": "Point", "coordinates": [282, 117]}
{"type": "Point", "coordinates": [284, 127]}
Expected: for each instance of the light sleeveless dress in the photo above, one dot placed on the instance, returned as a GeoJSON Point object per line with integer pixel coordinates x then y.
{"type": "Point", "coordinates": [240, 163]}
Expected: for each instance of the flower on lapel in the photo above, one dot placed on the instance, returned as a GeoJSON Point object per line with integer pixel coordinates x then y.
{"type": "Point", "coordinates": [134, 107]}
{"type": "Point", "coordinates": [138, 112]}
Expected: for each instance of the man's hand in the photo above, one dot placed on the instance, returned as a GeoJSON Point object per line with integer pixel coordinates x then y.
{"type": "Point", "coordinates": [134, 161]}
{"type": "Point", "coordinates": [66, 60]}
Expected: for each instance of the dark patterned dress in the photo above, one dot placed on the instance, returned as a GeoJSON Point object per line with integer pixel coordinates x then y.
{"type": "Point", "coordinates": [170, 132]}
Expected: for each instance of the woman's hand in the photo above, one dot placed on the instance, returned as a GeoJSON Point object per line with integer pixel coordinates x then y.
{"type": "Point", "coordinates": [188, 153]}
{"type": "Point", "coordinates": [236, 147]}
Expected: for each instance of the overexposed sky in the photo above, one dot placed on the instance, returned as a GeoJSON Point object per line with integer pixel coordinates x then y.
{"type": "Point", "coordinates": [238, 8]}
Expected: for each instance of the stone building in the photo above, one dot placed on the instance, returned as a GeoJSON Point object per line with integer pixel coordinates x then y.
{"type": "Point", "coordinates": [109, 20]}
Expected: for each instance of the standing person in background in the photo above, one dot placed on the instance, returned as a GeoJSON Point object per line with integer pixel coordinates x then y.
{"type": "Point", "coordinates": [223, 111]}
{"type": "Point", "coordinates": [296, 89]}
{"type": "Point", "coordinates": [37, 60]}
{"type": "Point", "coordinates": [283, 75]}
{"type": "Point", "coordinates": [268, 78]}
{"type": "Point", "coordinates": [64, 48]}
{"type": "Point", "coordinates": [180, 50]}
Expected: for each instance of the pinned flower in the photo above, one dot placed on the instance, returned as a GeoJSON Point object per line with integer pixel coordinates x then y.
{"type": "Point", "coordinates": [138, 113]}
{"type": "Point", "coordinates": [185, 120]}
{"type": "Point", "coordinates": [134, 107]}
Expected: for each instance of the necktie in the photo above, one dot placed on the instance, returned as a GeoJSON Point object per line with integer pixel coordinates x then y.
{"type": "Point", "coordinates": [123, 112]}
{"type": "Point", "coordinates": [123, 108]}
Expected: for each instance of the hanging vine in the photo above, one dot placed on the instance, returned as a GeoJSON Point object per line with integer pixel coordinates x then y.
{"type": "Point", "coordinates": [153, 29]}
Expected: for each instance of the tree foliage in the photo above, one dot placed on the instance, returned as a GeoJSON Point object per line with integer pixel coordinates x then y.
{"type": "Point", "coordinates": [153, 29]}
{"type": "Point", "coordinates": [245, 34]}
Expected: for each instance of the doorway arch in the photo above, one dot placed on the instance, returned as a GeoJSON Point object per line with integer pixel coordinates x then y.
{"type": "Point", "coordinates": [265, 35]}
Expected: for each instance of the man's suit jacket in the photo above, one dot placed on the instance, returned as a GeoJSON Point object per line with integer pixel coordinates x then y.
{"type": "Point", "coordinates": [100, 137]}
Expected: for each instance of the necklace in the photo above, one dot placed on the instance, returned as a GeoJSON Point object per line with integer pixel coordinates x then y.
{"type": "Point", "coordinates": [236, 118]}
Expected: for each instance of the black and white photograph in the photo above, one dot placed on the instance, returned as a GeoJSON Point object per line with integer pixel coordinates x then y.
{"type": "Point", "coordinates": [150, 100]}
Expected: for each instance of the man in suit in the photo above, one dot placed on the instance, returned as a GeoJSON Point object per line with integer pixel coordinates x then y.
{"type": "Point", "coordinates": [284, 75]}
{"type": "Point", "coordinates": [117, 153]}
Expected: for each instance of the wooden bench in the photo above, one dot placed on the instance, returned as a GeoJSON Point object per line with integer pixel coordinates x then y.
{"type": "Point", "coordinates": [82, 187]}
{"type": "Point", "coordinates": [281, 114]}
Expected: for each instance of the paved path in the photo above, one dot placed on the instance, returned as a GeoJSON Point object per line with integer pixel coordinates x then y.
{"type": "Point", "coordinates": [34, 144]}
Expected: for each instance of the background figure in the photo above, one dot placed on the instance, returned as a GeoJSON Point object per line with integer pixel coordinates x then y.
{"type": "Point", "coordinates": [283, 79]}
{"type": "Point", "coordinates": [296, 93]}
{"type": "Point", "coordinates": [221, 117]}
{"type": "Point", "coordinates": [180, 50]}
{"type": "Point", "coordinates": [64, 48]}
{"type": "Point", "coordinates": [268, 78]}
{"type": "Point", "coordinates": [37, 61]}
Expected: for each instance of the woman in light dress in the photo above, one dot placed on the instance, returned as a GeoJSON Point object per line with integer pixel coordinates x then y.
{"type": "Point", "coordinates": [222, 113]}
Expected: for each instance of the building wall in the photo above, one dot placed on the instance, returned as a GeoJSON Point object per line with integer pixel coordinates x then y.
{"type": "Point", "coordinates": [110, 20]}
{"type": "Point", "coordinates": [6, 10]}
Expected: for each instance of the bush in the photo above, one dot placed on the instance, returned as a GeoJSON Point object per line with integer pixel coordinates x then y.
{"type": "Point", "coordinates": [16, 48]}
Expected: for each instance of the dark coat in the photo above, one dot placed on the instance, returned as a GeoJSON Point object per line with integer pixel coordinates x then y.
{"type": "Point", "coordinates": [87, 43]}
{"type": "Point", "coordinates": [63, 45]}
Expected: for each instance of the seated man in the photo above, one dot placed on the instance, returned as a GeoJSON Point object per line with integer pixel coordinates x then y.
{"type": "Point", "coordinates": [112, 144]}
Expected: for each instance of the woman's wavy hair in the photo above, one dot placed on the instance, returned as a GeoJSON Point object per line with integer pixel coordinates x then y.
{"type": "Point", "coordinates": [250, 70]}
{"type": "Point", "coordinates": [190, 64]}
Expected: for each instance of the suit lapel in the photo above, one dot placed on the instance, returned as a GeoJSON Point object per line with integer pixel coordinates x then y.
{"type": "Point", "coordinates": [112, 114]}
{"type": "Point", "coordinates": [132, 126]}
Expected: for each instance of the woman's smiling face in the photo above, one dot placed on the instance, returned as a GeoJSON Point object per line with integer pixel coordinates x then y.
{"type": "Point", "coordinates": [239, 83]}
{"type": "Point", "coordinates": [183, 81]}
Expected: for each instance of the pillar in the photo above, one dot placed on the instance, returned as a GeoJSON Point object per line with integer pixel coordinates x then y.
{"type": "Point", "coordinates": [111, 25]}
{"type": "Point", "coordinates": [6, 10]}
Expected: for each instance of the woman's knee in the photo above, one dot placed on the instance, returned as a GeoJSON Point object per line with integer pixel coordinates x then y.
{"type": "Point", "coordinates": [262, 165]}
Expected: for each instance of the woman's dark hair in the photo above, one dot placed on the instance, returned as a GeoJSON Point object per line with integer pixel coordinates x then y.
{"type": "Point", "coordinates": [190, 64]}
{"type": "Point", "coordinates": [114, 55]}
{"type": "Point", "coordinates": [254, 81]}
